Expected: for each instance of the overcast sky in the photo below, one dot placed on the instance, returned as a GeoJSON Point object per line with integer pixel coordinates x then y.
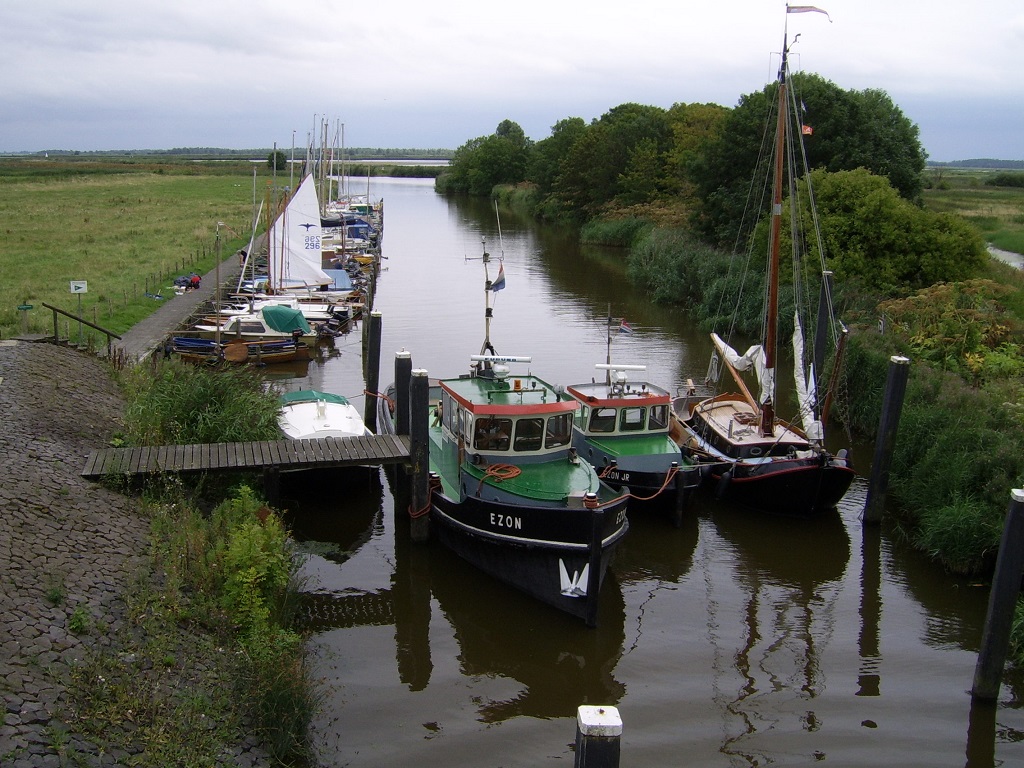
{"type": "Point", "coordinates": [138, 74]}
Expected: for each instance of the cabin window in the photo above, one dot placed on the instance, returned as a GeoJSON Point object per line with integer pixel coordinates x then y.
{"type": "Point", "coordinates": [448, 411]}
{"type": "Point", "coordinates": [491, 434]}
{"type": "Point", "coordinates": [659, 417]}
{"type": "Point", "coordinates": [602, 420]}
{"type": "Point", "coordinates": [632, 419]}
{"type": "Point", "coordinates": [528, 434]}
{"type": "Point", "coordinates": [559, 430]}
{"type": "Point", "coordinates": [462, 421]}
{"type": "Point", "coordinates": [253, 328]}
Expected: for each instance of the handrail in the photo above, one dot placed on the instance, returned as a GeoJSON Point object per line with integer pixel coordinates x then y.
{"type": "Point", "coordinates": [56, 332]}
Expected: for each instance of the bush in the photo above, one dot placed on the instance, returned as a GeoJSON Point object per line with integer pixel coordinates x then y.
{"type": "Point", "coordinates": [954, 459]}
{"type": "Point", "coordinates": [181, 404]}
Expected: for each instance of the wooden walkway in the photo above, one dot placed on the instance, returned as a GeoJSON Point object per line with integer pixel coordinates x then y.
{"type": "Point", "coordinates": [282, 455]}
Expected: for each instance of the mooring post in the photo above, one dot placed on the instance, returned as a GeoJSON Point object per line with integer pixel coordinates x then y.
{"type": "Point", "coordinates": [995, 638]}
{"type": "Point", "coordinates": [598, 733]}
{"type": "Point", "coordinates": [888, 423]}
{"type": "Point", "coordinates": [372, 372]}
{"type": "Point", "coordinates": [419, 512]}
{"type": "Point", "coordinates": [272, 485]}
{"type": "Point", "coordinates": [403, 372]}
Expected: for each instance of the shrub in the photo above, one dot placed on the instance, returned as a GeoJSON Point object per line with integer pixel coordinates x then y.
{"type": "Point", "coordinates": [181, 404]}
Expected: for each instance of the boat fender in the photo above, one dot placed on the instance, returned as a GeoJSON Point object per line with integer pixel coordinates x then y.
{"type": "Point", "coordinates": [723, 484]}
{"type": "Point", "coordinates": [841, 459]}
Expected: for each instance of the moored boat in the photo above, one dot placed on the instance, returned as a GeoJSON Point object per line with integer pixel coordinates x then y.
{"type": "Point", "coordinates": [755, 458]}
{"type": "Point", "coordinates": [308, 414]}
{"type": "Point", "coordinates": [622, 428]}
{"type": "Point", "coordinates": [509, 493]}
{"type": "Point", "coordinates": [199, 350]}
{"type": "Point", "coordinates": [273, 322]}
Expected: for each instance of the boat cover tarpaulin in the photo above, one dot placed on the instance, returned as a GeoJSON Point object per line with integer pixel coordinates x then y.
{"type": "Point", "coordinates": [285, 319]}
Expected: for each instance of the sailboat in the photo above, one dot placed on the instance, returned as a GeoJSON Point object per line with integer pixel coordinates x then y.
{"type": "Point", "coordinates": [510, 494]}
{"type": "Point", "coordinates": [755, 458]}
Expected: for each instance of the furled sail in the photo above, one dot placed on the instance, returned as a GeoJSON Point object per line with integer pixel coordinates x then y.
{"type": "Point", "coordinates": [752, 358]}
{"type": "Point", "coordinates": [806, 393]}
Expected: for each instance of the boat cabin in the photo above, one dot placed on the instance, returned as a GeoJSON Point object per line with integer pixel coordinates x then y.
{"type": "Point", "coordinates": [618, 407]}
{"type": "Point", "coordinates": [518, 415]}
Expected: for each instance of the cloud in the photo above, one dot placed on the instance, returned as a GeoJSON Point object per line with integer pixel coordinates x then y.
{"type": "Point", "coordinates": [115, 74]}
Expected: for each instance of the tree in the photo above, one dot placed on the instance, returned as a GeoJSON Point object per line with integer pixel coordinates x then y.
{"type": "Point", "coordinates": [886, 243]}
{"type": "Point", "coordinates": [594, 173]}
{"type": "Point", "coordinates": [277, 160]}
{"type": "Point", "coordinates": [484, 162]}
{"type": "Point", "coordinates": [848, 130]}
{"type": "Point", "coordinates": [693, 127]}
{"type": "Point", "coordinates": [546, 158]}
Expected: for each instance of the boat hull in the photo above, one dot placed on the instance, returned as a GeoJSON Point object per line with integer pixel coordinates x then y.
{"type": "Point", "coordinates": [556, 551]}
{"type": "Point", "coordinates": [207, 351]}
{"type": "Point", "coordinates": [801, 486]}
{"type": "Point", "coordinates": [560, 557]}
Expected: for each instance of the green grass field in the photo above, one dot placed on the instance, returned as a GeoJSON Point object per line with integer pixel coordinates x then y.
{"type": "Point", "coordinates": [997, 212]}
{"type": "Point", "coordinates": [127, 234]}
{"type": "Point", "coordinates": [128, 226]}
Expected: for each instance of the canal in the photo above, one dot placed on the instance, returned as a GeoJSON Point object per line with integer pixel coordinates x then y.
{"type": "Point", "coordinates": [734, 640]}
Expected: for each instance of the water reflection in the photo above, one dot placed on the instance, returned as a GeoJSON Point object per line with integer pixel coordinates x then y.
{"type": "Point", "coordinates": [790, 572]}
{"type": "Point", "coordinates": [558, 665]}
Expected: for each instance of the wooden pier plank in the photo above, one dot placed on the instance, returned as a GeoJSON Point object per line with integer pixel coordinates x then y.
{"type": "Point", "coordinates": [278, 454]}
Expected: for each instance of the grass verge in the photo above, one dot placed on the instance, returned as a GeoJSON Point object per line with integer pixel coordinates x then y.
{"type": "Point", "coordinates": [208, 667]}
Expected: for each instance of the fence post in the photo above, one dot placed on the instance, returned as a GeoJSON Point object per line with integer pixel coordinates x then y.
{"type": "Point", "coordinates": [403, 372]}
{"type": "Point", "coordinates": [372, 372]}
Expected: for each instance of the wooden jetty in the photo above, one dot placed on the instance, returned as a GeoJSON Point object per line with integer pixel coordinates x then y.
{"type": "Point", "coordinates": [274, 455]}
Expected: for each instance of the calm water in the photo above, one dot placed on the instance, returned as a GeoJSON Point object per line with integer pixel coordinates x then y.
{"type": "Point", "coordinates": [732, 641]}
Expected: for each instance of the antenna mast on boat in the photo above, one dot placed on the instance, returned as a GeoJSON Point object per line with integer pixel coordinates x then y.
{"type": "Point", "coordinates": [487, 347]}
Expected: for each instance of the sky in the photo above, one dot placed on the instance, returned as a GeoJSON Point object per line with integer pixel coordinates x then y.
{"type": "Point", "coordinates": [137, 74]}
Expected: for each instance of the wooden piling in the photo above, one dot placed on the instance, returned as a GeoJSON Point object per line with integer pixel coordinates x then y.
{"type": "Point", "coordinates": [372, 372]}
{"type": "Point", "coordinates": [419, 393]}
{"type": "Point", "coordinates": [888, 423]}
{"type": "Point", "coordinates": [598, 734]}
{"type": "Point", "coordinates": [403, 372]}
{"type": "Point", "coordinates": [1002, 599]}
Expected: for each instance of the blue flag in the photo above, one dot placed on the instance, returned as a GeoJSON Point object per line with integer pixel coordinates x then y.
{"type": "Point", "coordinates": [499, 281]}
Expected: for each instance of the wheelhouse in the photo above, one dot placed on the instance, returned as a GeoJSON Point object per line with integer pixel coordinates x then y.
{"type": "Point", "coordinates": [523, 415]}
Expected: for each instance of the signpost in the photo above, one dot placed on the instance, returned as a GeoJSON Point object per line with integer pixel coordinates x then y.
{"type": "Point", "coordinates": [79, 287]}
{"type": "Point", "coordinates": [24, 308]}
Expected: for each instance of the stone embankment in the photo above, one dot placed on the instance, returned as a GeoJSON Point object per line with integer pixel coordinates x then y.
{"type": "Point", "coordinates": [66, 545]}
{"type": "Point", "coordinates": [69, 551]}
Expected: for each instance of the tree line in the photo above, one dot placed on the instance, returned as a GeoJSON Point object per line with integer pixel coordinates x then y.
{"type": "Point", "coordinates": [692, 164]}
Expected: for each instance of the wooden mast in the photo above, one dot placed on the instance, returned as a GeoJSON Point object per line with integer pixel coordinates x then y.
{"type": "Point", "coordinates": [772, 315]}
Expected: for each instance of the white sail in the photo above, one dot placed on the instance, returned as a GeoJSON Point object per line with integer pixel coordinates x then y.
{"type": "Point", "coordinates": [805, 390]}
{"type": "Point", "coordinates": [752, 358]}
{"type": "Point", "coordinates": [295, 248]}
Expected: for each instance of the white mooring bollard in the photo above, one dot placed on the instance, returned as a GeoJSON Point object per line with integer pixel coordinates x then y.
{"type": "Point", "coordinates": [598, 733]}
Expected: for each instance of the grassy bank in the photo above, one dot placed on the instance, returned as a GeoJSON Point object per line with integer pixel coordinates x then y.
{"type": "Point", "coordinates": [997, 211]}
{"type": "Point", "coordinates": [210, 664]}
{"type": "Point", "coordinates": [126, 231]}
